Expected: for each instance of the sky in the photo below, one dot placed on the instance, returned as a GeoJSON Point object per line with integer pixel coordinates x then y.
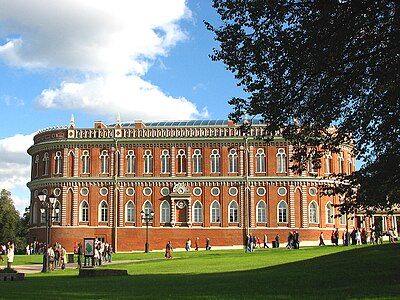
{"type": "Point", "coordinates": [94, 59]}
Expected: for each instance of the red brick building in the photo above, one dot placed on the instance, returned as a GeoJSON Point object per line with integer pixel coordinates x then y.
{"type": "Point", "coordinates": [201, 178]}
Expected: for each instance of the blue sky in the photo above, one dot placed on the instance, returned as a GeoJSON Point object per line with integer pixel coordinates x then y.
{"type": "Point", "coordinates": [147, 60]}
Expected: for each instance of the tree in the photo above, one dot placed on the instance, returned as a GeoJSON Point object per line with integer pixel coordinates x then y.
{"type": "Point", "coordinates": [308, 66]}
{"type": "Point", "coordinates": [9, 218]}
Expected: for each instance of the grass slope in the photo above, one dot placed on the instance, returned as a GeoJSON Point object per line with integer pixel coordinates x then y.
{"type": "Point", "coordinates": [363, 272]}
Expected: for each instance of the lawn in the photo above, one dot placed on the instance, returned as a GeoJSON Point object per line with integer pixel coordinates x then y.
{"type": "Point", "coordinates": [356, 272]}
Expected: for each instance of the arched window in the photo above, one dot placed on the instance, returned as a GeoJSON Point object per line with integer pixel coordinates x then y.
{"type": "Point", "coordinates": [130, 212]}
{"type": "Point", "coordinates": [148, 162]}
{"type": "Point", "coordinates": [181, 157]}
{"type": "Point", "coordinates": [84, 212]}
{"type": "Point", "coordinates": [282, 212]}
{"type": "Point", "coordinates": [215, 212]}
{"type": "Point", "coordinates": [340, 162]}
{"type": "Point", "coordinates": [328, 162]}
{"type": "Point", "coordinates": [329, 213]}
{"type": "Point", "coordinates": [349, 164]}
{"type": "Point", "coordinates": [103, 211]}
{"type": "Point", "coordinates": [261, 212]}
{"type": "Point", "coordinates": [85, 162]}
{"type": "Point", "coordinates": [147, 208]}
{"type": "Point", "coordinates": [165, 212]}
{"type": "Point", "coordinates": [36, 165]}
{"type": "Point", "coordinates": [233, 161]}
{"type": "Point", "coordinates": [35, 214]}
{"type": "Point", "coordinates": [46, 164]}
{"type": "Point", "coordinates": [165, 161]}
{"type": "Point", "coordinates": [131, 162]}
{"type": "Point", "coordinates": [104, 162]}
{"type": "Point", "coordinates": [311, 165]}
{"type": "Point", "coordinates": [56, 212]}
{"type": "Point", "coordinates": [197, 161]}
{"type": "Point", "coordinates": [58, 163]}
{"type": "Point", "coordinates": [281, 161]}
{"type": "Point", "coordinates": [233, 212]}
{"type": "Point", "coordinates": [313, 212]}
{"type": "Point", "coordinates": [260, 161]}
{"type": "Point", "coordinates": [197, 212]}
{"type": "Point", "coordinates": [215, 161]}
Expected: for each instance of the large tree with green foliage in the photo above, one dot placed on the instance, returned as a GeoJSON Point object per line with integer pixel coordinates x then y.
{"type": "Point", "coordinates": [9, 218]}
{"type": "Point", "coordinates": [309, 65]}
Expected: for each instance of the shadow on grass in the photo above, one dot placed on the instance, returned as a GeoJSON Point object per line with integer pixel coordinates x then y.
{"type": "Point", "coordinates": [361, 273]}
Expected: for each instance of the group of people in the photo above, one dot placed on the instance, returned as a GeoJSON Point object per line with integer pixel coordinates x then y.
{"type": "Point", "coordinates": [103, 252]}
{"type": "Point", "coordinates": [293, 240]}
{"type": "Point", "coordinates": [57, 256]}
{"type": "Point", "coordinates": [188, 246]}
{"type": "Point", "coordinates": [9, 251]}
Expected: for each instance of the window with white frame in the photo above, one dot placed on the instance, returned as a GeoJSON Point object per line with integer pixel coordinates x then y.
{"type": "Point", "coordinates": [56, 212]}
{"type": "Point", "coordinates": [35, 214]}
{"type": "Point", "coordinates": [261, 212]}
{"type": "Point", "coordinates": [165, 212]}
{"type": "Point", "coordinates": [233, 161]}
{"type": "Point", "coordinates": [147, 208]}
{"type": "Point", "coordinates": [58, 163]}
{"type": "Point", "coordinates": [328, 162]}
{"type": "Point", "coordinates": [215, 212]}
{"type": "Point", "coordinates": [260, 161]}
{"type": "Point", "coordinates": [148, 162]}
{"type": "Point", "coordinates": [343, 219]}
{"type": "Point", "coordinates": [181, 161]}
{"type": "Point", "coordinates": [215, 157]}
{"type": "Point", "coordinates": [84, 212]}
{"type": "Point", "coordinates": [311, 165]}
{"type": "Point", "coordinates": [313, 212]}
{"type": "Point", "coordinates": [197, 159]}
{"type": "Point", "coordinates": [340, 162]}
{"type": "Point", "coordinates": [36, 165]}
{"type": "Point", "coordinates": [281, 161]}
{"type": "Point", "coordinates": [85, 158]}
{"type": "Point", "coordinates": [104, 162]}
{"type": "Point", "coordinates": [282, 212]}
{"type": "Point", "coordinates": [131, 162]}
{"type": "Point", "coordinates": [197, 212]}
{"type": "Point", "coordinates": [233, 212]}
{"type": "Point", "coordinates": [103, 211]}
{"type": "Point", "coordinates": [349, 164]}
{"type": "Point", "coordinates": [46, 164]}
{"type": "Point", "coordinates": [330, 214]}
{"type": "Point", "coordinates": [165, 161]}
{"type": "Point", "coordinates": [130, 212]}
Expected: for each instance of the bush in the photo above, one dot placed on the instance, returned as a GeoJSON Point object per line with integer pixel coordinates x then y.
{"type": "Point", "coordinates": [8, 270]}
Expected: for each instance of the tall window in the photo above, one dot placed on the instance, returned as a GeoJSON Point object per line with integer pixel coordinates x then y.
{"type": "Point", "coordinates": [197, 161]}
{"type": "Point", "coordinates": [131, 162]}
{"type": "Point", "coordinates": [103, 211]}
{"type": "Point", "coordinates": [35, 214]}
{"type": "Point", "coordinates": [260, 161]}
{"type": "Point", "coordinates": [104, 162]}
{"type": "Point", "coordinates": [233, 212]}
{"type": "Point", "coordinates": [329, 213]}
{"type": "Point", "coordinates": [130, 212]}
{"type": "Point", "coordinates": [181, 157]}
{"type": "Point", "coordinates": [328, 162]}
{"type": "Point", "coordinates": [313, 212]}
{"type": "Point", "coordinates": [148, 162]}
{"type": "Point", "coordinates": [165, 162]}
{"type": "Point", "coordinates": [84, 215]}
{"type": "Point", "coordinates": [215, 212]}
{"type": "Point", "coordinates": [281, 161]}
{"type": "Point", "coordinates": [261, 212]}
{"type": "Point", "coordinates": [349, 164]}
{"type": "Point", "coordinates": [282, 212]}
{"type": "Point", "coordinates": [56, 211]}
{"type": "Point", "coordinates": [233, 161]}
{"type": "Point", "coordinates": [58, 163]}
{"type": "Point", "coordinates": [340, 162]}
{"type": "Point", "coordinates": [197, 212]}
{"type": "Point", "coordinates": [46, 164]}
{"type": "Point", "coordinates": [36, 165]}
{"type": "Point", "coordinates": [215, 161]}
{"type": "Point", "coordinates": [85, 162]}
{"type": "Point", "coordinates": [165, 212]}
{"type": "Point", "coordinates": [311, 166]}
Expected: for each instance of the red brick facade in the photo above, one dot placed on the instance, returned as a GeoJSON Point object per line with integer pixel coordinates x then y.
{"type": "Point", "coordinates": [201, 178]}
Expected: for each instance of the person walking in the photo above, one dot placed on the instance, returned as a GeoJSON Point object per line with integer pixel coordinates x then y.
{"type": "Point", "coordinates": [10, 254]}
{"type": "Point", "coordinates": [321, 239]}
{"type": "Point", "coordinates": [168, 250]}
{"type": "Point", "coordinates": [197, 244]}
{"type": "Point", "coordinates": [265, 241]}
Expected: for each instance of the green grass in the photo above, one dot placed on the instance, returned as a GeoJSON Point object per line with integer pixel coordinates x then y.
{"type": "Point", "coordinates": [363, 272]}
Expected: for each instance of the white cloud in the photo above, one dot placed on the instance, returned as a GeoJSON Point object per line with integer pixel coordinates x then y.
{"type": "Point", "coordinates": [15, 168]}
{"type": "Point", "coordinates": [109, 45]}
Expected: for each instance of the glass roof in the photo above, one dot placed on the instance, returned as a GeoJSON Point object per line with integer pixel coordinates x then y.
{"type": "Point", "coordinates": [183, 123]}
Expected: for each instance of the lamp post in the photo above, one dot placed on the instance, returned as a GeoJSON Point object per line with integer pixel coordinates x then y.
{"type": "Point", "coordinates": [147, 217]}
{"type": "Point", "coordinates": [47, 209]}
